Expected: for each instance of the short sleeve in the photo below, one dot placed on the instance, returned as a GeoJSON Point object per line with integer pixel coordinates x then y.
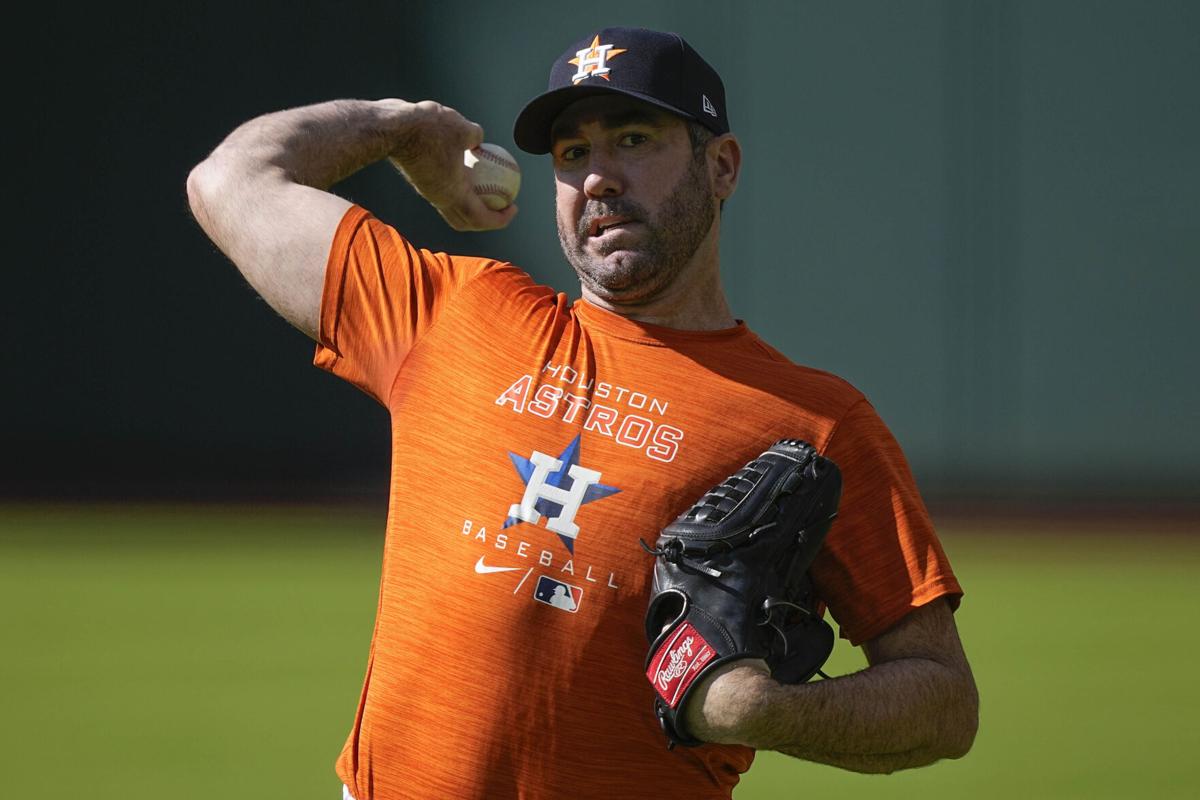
{"type": "Point", "coordinates": [380, 295]}
{"type": "Point", "coordinates": [881, 558]}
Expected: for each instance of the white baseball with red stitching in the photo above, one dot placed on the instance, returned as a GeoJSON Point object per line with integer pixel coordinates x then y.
{"type": "Point", "coordinates": [495, 175]}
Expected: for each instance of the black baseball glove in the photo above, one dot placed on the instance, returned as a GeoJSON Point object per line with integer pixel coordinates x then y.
{"type": "Point", "coordinates": [731, 579]}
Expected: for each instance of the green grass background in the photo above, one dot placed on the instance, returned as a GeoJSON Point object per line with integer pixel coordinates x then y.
{"type": "Point", "coordinates": [218, 653]}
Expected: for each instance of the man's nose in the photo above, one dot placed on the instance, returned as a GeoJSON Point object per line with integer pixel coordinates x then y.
{"type": "Point", "coordinates": [604, 179]}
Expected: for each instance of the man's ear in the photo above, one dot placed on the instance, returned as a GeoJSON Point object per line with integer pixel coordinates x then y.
{"type": "Point", "coordinates": [724, 164]}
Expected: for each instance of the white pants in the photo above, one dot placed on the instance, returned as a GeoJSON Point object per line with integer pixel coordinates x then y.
{"type": "Point", "coordinates": [346, 793]}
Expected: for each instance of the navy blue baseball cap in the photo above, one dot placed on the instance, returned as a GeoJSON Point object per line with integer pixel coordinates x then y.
{"type": "Point", "coordinates": [660, 68]}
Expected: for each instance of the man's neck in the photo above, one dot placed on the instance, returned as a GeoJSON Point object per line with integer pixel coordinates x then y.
{"type": "Point", "coordinates": [694, 302]}
{"type": "Point", "coordinates": [696, 312]}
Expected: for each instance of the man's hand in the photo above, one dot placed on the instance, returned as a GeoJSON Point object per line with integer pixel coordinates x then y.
{"type": "Point", "coordinates": [429, 154]}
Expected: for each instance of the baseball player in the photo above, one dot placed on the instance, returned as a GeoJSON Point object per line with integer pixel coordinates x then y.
{"type": "Point", "coordinates": [541, 445]}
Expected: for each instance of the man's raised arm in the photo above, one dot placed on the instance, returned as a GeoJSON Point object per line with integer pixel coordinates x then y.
{"type": "Point", "coordinates": [261, 195]}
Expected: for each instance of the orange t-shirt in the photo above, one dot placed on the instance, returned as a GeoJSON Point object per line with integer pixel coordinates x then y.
{"type": "Point", "coordinates": [534, 443]}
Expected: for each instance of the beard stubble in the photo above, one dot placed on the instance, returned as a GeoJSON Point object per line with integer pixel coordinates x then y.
{"type": "Point", "coordinates": [667, 244]}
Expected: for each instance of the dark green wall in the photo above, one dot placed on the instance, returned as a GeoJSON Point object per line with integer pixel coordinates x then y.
{"type": "Point", "coordinates": [984, 214]}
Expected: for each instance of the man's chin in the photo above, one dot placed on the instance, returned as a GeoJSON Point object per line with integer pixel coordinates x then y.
{"type": "Point", "coordinates": [622, 289]}
{"type": "Point", "coordinates": [618, 270]}
{"type": "Point", "coordinates": [614, 255]}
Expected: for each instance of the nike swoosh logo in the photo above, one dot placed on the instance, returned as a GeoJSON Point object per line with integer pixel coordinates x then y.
{"type": "Point", "coordinates": [484, 569]}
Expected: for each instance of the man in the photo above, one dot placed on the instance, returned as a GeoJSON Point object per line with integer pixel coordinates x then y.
{"type": "Point", "coordinates": [535, 441]}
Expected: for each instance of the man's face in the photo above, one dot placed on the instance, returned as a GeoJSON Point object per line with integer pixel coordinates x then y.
{"type": "Point", "coordinates": [633, 202]}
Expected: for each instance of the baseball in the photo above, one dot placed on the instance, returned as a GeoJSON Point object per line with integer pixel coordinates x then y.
{"type": "Point", "coordinates": [495, 175]}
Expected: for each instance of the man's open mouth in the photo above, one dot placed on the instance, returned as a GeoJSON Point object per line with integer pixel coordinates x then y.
{"type": "Point", "coordinates": [602, 224]}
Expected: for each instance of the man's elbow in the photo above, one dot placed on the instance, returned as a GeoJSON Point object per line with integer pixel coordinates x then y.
{"type": "Point", "coordinates": [202, 184]}
{"type": "Point", "coordinates": [954, 739]}
{"type": "Point", "coordinates": [214, 192]}
{"type": "Point", "coordinates": [962, 724]}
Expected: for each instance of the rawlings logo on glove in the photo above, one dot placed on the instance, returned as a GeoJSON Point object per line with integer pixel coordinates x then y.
{"type": "Point", "coordinates": [673, 679]}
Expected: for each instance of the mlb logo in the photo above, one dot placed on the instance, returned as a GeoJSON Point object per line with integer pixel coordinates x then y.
{"type": "Point", "coordinates": [561, 595]}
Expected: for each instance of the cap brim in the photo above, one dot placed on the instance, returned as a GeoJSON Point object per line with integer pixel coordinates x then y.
{"type": "Point", "coordinates": [531, 131]}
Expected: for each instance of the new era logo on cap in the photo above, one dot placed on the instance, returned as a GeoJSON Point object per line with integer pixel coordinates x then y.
{"type": "Point", "coordinates": [657, 68]}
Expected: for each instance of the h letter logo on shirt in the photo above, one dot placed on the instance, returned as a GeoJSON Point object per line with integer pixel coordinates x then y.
{"type": "Point", "coordinates": [570, 499]}
{"type": "Point", "coordinates": [556, 488]}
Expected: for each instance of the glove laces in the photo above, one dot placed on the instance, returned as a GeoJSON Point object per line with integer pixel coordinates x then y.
{"type": "Point", "coordinates": [769, 605]}
{"type": "Point", "coordinates": [673, 551]}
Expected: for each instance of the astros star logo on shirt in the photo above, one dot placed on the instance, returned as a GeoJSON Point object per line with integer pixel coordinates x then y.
{"type": "Point", "coordinates": [556, 487]}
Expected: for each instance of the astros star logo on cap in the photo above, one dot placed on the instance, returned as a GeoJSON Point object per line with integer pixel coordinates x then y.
{"type": "Point", "coordinates": [593, 61]}
{"type": "Point", "coordinates": [662, 69]}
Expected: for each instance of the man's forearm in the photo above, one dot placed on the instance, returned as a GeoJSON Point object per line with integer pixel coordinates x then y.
{"type": "Point", "coordinates": [915, 704]}
{"type": "Point", "coordinates": [900, 714]}
{"type": "Point", "coordinates": [317, 145]}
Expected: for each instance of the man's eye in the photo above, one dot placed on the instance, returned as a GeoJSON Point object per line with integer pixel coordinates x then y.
{"type": "Point", "coordinates": [633, 139]}
{"type": "Point", "coordinates": [572, 153]}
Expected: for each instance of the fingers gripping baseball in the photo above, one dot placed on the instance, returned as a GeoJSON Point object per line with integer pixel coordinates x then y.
{"type": "Point", "coordinates": [430, 156]}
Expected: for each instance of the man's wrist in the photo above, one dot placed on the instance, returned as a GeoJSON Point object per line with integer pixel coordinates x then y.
{"type": "Point", "coordinates": [393, 113]}
{"type": "Point", "coordinates": [725, 707]}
